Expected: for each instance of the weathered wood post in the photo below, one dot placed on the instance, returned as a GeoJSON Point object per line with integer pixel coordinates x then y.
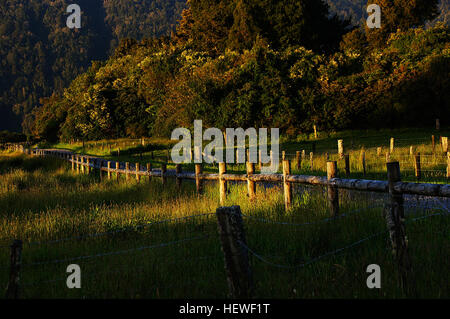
{"type": "Point", "coordinates": [347, 165]}
{"type": "Point", "coordinates": [260, 160]}
{"type": "Point", "coordinates": [303, 154]}
{"type": "Point", "coordinates": [78, 164]}
{"type": "Point", "coordinates": [251, 185]}
{"type": "Point", "coordinates": [117, 171]}
{"type": "Point", "coordinates": [178, 170]}
{"type": "Point", "coordinates": [127, 171]}
{"type": "Point", "coordinates": [232, 237]}
{"type": "Point", "coordinates": [417, 169]}
{"type": "Point", "coordinates": [448, 165]}
{"type": "Point", "coordinates": [73, 163]}
{"type": "Point", "coordinates": [138, 172]}
{"type": "Point", "coordinates": [315, 131]}
{"type": "Point", "coordinates": [88, 165]}
{"type": "Point", "coordinates": [311, 161]}
{"type": "Point", "coordinates": [333, 195]}
{"type": "Point", "coordinates": [286, 185]}
{"type": "Point", "coordinates": [392, 146]}
{"type": "Point", "coordinates": [222, 183]}
{"type": "Point", "coordinates": [12, 291]}
{"type": "Point", "coordinates": [163, 173]}
{"type": "Point", "coordinates": [395, 220]}
{"type": "Point", "coordinates": [444, 143]}
{"type": "Point", "coordinates": [298, 160]}
{"type": "Point", "coordinates": [198, 180]}
{"type": "Point", "coordinates": [82, 165]}
{"type": "Point", "coordinates": [108, 166]}
{"type": "Point", "coordinates": [341, 148]}
{"type": "Point", "coordinates": [149, 171]}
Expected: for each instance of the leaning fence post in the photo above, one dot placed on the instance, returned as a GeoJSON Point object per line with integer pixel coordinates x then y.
{"type": "Point", "coordinates": [251, 185]}
{"type": "Point", "coordinates": [333, 195]}
{"type": "Point", "coordinates": [12, 291]}
{"type": "Point", "coordinates": [286, 185]}
{"type": "Point", "coordinates": [395, 220]}
{"type": "Point", "coordinates": [222, 182]}
{"type": "Point", "coordinates": [237, 266]}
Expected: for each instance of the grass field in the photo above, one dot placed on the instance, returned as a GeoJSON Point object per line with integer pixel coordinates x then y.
{"type": "Point", "coordinates": [117, 229]}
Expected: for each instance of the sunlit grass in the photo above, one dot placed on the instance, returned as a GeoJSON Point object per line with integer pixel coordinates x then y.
{"type": "Point", "coordinates": [42, 200]}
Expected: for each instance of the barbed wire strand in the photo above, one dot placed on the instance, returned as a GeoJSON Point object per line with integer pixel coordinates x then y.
{"type": "Point", "coordinates": [118, 252]}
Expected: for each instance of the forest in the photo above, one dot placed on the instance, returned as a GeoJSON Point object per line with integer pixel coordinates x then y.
{"type": "Point", "coordinates": [144, 68]}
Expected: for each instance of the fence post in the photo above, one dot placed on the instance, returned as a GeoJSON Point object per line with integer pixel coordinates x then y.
{"type": "Point", "coordinates": [83, 168]}
{"type": "Point", "coordinates": [341, 148]}
{"type": "Point", "coordinates": [311, 161]}
{"type": "Point", "coordinates": [448, 165]}
{"type": "Point", "coordinates": [138, 171]}
{"type": "Point", "coordinates": [163, 173]}
{"type": "Point", "coordinates": [333, 195]}
{"type": "Point", "coordinates": [178, 170]}
{"type": "Point", "coordinates": [251, 185]}
{"type": "Point", "coordinates": [198, 180]}
{"type": "Point", "coordinates": [78, 164]}
{"type": "Point", "coordinates": [315, 131]}
{"type": "Point", "coordinates": [108, 165]}
{"type": "Point", "coordinates": [391, 148]}
{"type": "Point", "coordinates": [232, 237]}
{"type": "Point", "coordinates": [127, 171]}
{"type": "Point", "coordinates": [298, 160]}
{"type": "Point", "coordinates": [259, 160]}
{"type": "Point", "coordinates": [117, 171]}
{"type": "Point", "coordinates": [286, 185]}
{"type": "Point", "coordinates": [444, 143]}
{"type": "Point", "coordinates": [222, 183]}
{"type": "Point", "coordinates": [347, 166]}
{"type": "Point", "coordinates": [12, 291]}
{"type": "Point", "coordinates": [149, 171]}
{"type": "Point", "coordinates": [395, 217]}
{"type": "Point", "coordinates": [417, 169]}
{"type": "Point", "coordinates": [73, 163]}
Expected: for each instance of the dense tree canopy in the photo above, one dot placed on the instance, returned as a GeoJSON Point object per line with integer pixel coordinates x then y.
{"type": "Point", "coordinates": [248, 63]}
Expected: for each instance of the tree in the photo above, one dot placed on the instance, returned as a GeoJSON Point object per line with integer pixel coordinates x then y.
{"type": "Point", "coordinates": [400, 15]}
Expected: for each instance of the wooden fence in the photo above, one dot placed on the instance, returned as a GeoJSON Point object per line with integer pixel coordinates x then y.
{"type": "Point", "coordinates": [86, 164]}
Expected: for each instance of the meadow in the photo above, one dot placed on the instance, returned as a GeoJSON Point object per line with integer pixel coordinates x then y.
{"type": "Point", "coordinates": [139, 240]}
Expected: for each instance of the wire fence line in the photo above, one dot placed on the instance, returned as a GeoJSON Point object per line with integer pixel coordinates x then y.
{"type": "Point", "coordinates": [117, 252]}
{"type": "Point", "coordinates": [113, 232]}
{"type": "Point", "coordinates": [333, 252]}
{"type": "Point", "coordinates": [325, 220]}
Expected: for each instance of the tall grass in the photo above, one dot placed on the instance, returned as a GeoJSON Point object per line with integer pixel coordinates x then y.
{"type": "Point", "coordinates": [43, 201]}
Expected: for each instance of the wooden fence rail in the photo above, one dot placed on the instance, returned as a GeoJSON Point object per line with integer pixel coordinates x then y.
{"type": "Point", "coordinates": [424, 189]}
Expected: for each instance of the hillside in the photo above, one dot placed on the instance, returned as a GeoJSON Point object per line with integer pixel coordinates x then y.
{"type": "Point", "coordinates": [39, 54]}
